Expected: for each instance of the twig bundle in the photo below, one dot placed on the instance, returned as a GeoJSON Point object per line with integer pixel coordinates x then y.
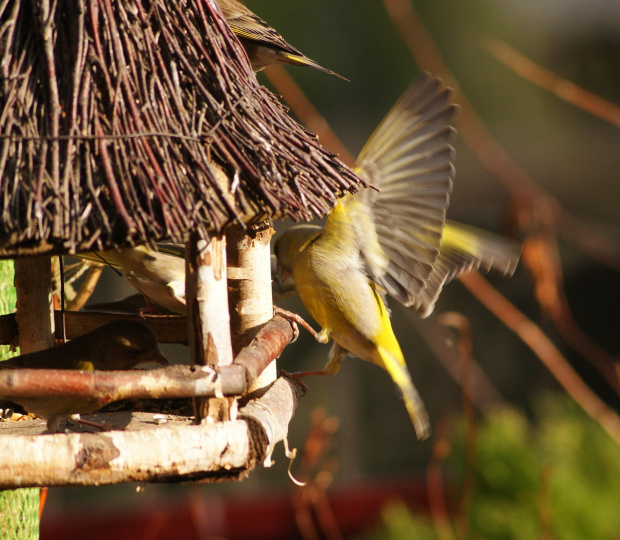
{"type": "Point", "coordinates": [133, 121]}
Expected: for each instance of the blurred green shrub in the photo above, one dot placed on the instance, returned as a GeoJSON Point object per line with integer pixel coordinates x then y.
{"type": "Point", "coordinates": [558, 477]}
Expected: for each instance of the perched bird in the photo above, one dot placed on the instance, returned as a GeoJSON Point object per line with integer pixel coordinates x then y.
{"type": "Point", "coordinates": [393, 239]}
{"type": "Point", "coordinates": [119, 345]}
{"type": "Point", "coordinates": [158, 274]}
{"type": "Point", "coordinates": [262, 43]}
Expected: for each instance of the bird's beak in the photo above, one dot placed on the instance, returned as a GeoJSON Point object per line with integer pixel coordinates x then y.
{"type": "Point", "coordinates": [155, 357]}
{"type": "Point", "coordinates": [283, 274]}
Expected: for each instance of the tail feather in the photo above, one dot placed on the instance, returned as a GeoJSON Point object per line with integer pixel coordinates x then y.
{"type": "Point", "coordinates": [413, 402]}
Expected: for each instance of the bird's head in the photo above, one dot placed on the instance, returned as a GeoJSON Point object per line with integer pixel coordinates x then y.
{"type": "Point", "coordinates": [128, 343]}
{"type": "Point", "coordinates": [290, 245]}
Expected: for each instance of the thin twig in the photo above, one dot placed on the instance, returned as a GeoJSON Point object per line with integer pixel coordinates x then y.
{"type": "Point", "coordinates": [436, 495]}
{"type": "Point", "coordinates": [559, 86]}
{"type": "Point", "coordinates": [545, 350]}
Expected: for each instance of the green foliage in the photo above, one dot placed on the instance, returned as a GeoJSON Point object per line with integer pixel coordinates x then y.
{"type": "Point", "coordinates": [400, 524]}
{"type": "Point", "coordinates": [7, 299]}
{"type": "Point", "coordinates": [558, 478]}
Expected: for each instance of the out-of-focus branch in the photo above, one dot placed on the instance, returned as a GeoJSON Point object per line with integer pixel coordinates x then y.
{"type": "Point", "coordinates": [546, 351]}
{"type": "Point", "coordinates": [437, 338]}
{"type": "Point", "coordinates": [542, 259]}
{"type": "Point", "coordinates": [460, 323]}
{"type": "Point", "coordinates": [306, 111]}
{"type": "Point", "coordinates": [529, 195]}
{"type": "Point", "coordinates": [434, 479]}
{"type": "Point", "coordinates": [86, 288]}
{"type": "Point", "coordinates": [552, 82]}
{"type": "Point", "coordinates": [313, 511]}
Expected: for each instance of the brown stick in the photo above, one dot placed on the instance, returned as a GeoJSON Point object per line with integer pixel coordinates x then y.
{"type": "Point", "coordinates": [108, 386]}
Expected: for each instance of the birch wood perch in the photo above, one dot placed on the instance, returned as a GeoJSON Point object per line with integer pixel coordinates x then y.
{"type": "Point", "coordinates": [168, 383]}
{"type": "Point", "coordinates": [206, 452]}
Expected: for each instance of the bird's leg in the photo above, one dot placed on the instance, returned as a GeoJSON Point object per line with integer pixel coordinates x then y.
{"type": "Point", "coordinates": [296, 377]}
{"type": "Point", "coordinates": [336, 355]}
{"type": "Point", "coordinates": [150, 308]}
{"type": "Point", "coordinates": [322, 336]}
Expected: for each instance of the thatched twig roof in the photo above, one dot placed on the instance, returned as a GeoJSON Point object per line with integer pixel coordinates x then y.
{"type": "Point", "coordinates": [113, 114]}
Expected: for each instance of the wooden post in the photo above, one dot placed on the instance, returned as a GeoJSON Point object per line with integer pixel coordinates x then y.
{"type": "Point", "coordinates": [249, 288]}
{"type": "Point", "coordinates": [34, 310]}
{"type": "Point", "coordinates": [35, 323]}
{"type": "Point", "coordinates": [209, 321]}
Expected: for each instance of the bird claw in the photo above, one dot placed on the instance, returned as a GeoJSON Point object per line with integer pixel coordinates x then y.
{"type": "Point", "coordinates": [296, 377]}
{"type": "Point", "coordinates": [295, 319]}
{"type": "Point", "coordinates": [150, 308]}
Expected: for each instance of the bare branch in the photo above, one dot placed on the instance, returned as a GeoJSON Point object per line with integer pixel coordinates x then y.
{"type": "Point", "coordinates": [108, 386]}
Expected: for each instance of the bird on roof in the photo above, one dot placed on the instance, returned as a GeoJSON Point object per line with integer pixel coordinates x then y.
{"type": "Point", "coordinates": [393, 239]}
{"type": "Point", "coordinates": [119, 345]}
{"type": "Point", "coordinates": [262, 43]}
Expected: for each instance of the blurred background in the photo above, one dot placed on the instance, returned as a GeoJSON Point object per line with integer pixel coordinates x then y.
{"type": "Point", "coordinates": [529, 462]}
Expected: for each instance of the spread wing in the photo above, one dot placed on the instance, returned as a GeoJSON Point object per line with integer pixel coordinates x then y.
{"type": "Point", "coordinates": [409, 159]}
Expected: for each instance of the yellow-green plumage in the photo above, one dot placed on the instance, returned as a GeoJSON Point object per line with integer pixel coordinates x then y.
{"type": "Point", "coordinates": [158, 274]}
{"type": "Point", "coordinates": [394, 240]}
{"type": "Point", "coordinates": [262, 43]}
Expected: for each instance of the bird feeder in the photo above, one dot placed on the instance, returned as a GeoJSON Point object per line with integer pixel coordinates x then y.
{"type": "Point", "coordinates": [128, 123]}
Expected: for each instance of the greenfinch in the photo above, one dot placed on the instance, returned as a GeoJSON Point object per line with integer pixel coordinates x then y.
{"type": "Point", "coordinates": [119, 345]}
{"type": "Point", "coordinates": [390, 239]}
{"type": "Point", "coordinates": [262, 43]}
{"type": "Point", "coordinates": [158, 274]}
